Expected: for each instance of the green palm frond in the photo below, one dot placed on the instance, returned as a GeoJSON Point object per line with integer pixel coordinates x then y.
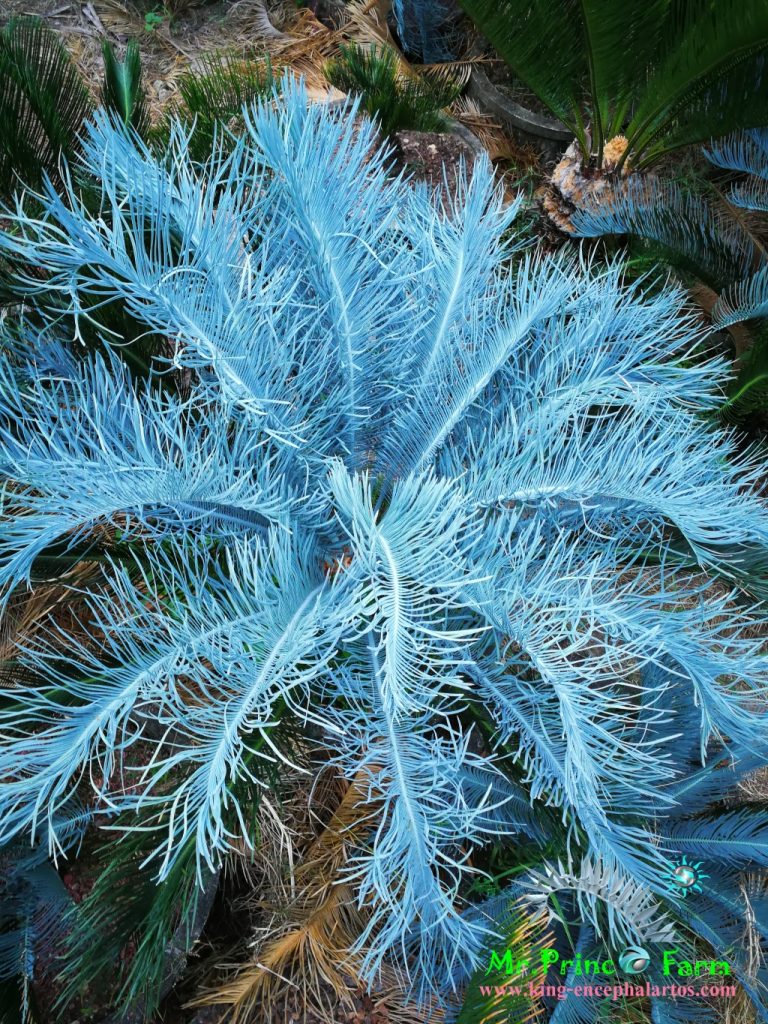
{"type": "Point", "coordinates": [526, 36]}
{"type": "Point", "coordinates": [223, 85]}
{"type": "Point", "coordinates": [749, 391]}
{"type": "Point", "coordinates": [400, 103]}
{"type": "Point", "coordinates": [123, 90]}
{"type": "Point", "coordinates": [490, 996]}
{"type": "Point", "coordinates": [126, 905]}
{"type": "Point", "coordinates": [43, 103]}
{"type": "Point", "coordinates": [667, 74]}
{"type": "Point", "coordinates": [711, 82]}
{"type": "Point", "coordinates": [213, 98]}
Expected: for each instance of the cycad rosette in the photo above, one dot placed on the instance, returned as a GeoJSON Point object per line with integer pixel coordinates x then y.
{"type": "Point", "coordinates": [418, 478]}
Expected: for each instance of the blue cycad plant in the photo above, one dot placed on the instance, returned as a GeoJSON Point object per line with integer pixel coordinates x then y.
{"type": "Point", "coordinates": [444, 505]}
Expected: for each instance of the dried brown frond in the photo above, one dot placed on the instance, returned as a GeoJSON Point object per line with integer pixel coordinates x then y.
{"type": "Point", "coordinates": [367, 23]}
{"type": "Point", "coordinates": [309, 65]}
{"type": "Point", "coordinates": [490, 134]}
{"type": "Point", "coordinates": [25, 614]}
{"type": "Point", "coordinates": [352, 816]}
{"type": "Point", "coordinates": [754, 788]}
{"type": "Point", "coordinates": [456, 72]}
{"type": "Point", "coordinates": [308, 955]}
{"type": "Point", "coordinates": [53, 604]}
{"type": "Point", "coordinates": [314, 921]}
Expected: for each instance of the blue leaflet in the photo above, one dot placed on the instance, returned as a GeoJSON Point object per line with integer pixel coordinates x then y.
{"type": "Point", "coordinates": [746, 152]}
{"type": "Point", "coordinates": [736, 837]}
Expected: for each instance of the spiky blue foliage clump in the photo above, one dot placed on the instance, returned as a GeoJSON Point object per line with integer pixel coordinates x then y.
{"type": "Point", "coordinates": [689, 230]}
{"type": "Point", "coordinates": [419, 478]}
{"type": "Point", "coordinates": [748, 154]}
{"type": "Point", "coordinates": [427, 29]}
{"type": "Point", "coordinates": [699, 233]}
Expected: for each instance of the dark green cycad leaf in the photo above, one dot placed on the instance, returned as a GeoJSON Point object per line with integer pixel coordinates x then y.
{"type": "Point", "coordinates": [214, 97]}
{"type": "Point", "coordinates": [126, 903]}
{"type": "Point", "coordinates": [489, 997]}
{"type": "Point", "coordinates": [398, 103]}
{"type": "Point", "coordinates": [712, 82]}
{"type": "Point", "coordinates": [678, 73]}
{"type": "Point", "coordinates": [623, 40]}
{"type": "Point", "coordinates": [163, 920]}
{"type": "Point", "coordinates": [123, 90]}
{"type": "Point", "coordinates": [527, 35]}
{"type": "Point", "coordinates": [582, 59]}
{"type": "Point", "coordinates": [222, 86]}
{"type": "Point", "coordinates": [43, 103]}
{"type": "Point", "coordinates": [749, 392]}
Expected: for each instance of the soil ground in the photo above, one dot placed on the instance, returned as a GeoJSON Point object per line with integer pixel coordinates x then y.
{"type": "Point", "coordinates": [172, 38]}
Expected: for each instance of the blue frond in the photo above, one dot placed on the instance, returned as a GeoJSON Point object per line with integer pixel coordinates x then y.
{"type": "Point", "coordinates": [87, 450]}
{"type": "Point", "coordinates": [34, 899]}
{"type": "Point", "coordinates": [236, 635]}
{"type": "Point", "coordinates": [746, 152]}
{"type": "Point", "coordinates": [716, 780]}
{"type": "Point", "coordinates": [354, 278]}
{"type": "Point", "coordinates": [750, 195]}
{"type": "Point", "coordinates": [412, 565]}
{"type": "Point", "coordinates": [411, 872]}
{"type": "Point", "coordinates": [685, 1010]}
{"type": "Point", "coordinates": [564, 469]}
{"type": "Point", "coordinates": [743, 300]}
{"type": "Point", "coordinates": [724, 949]}
{"type": "Point", "coordinates": [730, 900]}
{"type": "Point", "coordinates": [504, 803]}
{"type": "Point", "coordinates": [584, 1009]}
{"type": "Point", "coordinates": [427, 29]}
{"type": "Point", "coordinates": [449, 390]}
{"type": "Point", "coordinates": [738, 838]}
{"type": "Point", "coordinates": [660, 210]}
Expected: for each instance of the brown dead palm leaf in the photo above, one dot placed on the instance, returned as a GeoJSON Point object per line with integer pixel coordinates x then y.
{"type": "Point", "coordinates": [25, 614]}
{"type": "Point", "coordinates": [367, 26]}
{"type": "Point", "coordinates": [452, 72]}
{"type": "Point", "coordinates": [491, 135]}
{"type": "Point", "coordinates": [261, 21]}
{"type": "Point", "coordinates": [311, 44]}
{"type": "Point", "coordinates": [51, 603]}
{"type": "Point", "coordinates": [309, 954]}
{"type": "Point", "coordinates": [308, 64]}
{"type": "Point", "coordinates": [314, 42]}
{"type": "Point", "coordinates": [349, 820]}
{"type": "Point", "coordinates": [315, 920]}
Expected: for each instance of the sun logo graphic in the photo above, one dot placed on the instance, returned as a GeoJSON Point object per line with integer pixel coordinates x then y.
{"type": "Point", "coordinates": [687, 877]}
